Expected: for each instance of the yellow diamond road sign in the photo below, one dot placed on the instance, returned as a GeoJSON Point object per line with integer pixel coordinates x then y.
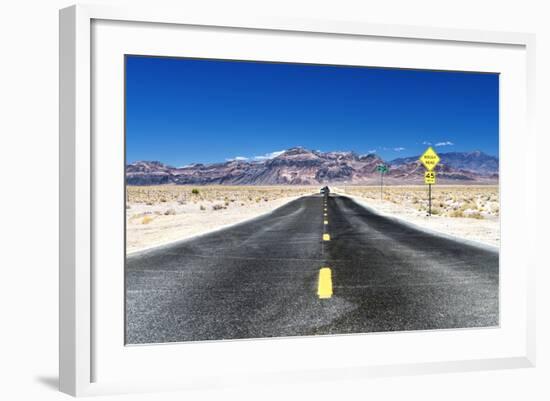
{"type": "Point", "coordinates": [429, 159]}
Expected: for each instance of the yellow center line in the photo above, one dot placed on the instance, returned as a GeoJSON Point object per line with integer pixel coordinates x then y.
{"type": "Point", "coordinates": [324, 289]}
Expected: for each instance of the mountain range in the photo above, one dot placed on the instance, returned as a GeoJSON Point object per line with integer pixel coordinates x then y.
{"type": "Point", "coordinates": [300, 166]}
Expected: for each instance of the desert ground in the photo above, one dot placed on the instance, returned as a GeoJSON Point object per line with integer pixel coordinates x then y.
{"type": "Point", "coordinates": [157, 215]}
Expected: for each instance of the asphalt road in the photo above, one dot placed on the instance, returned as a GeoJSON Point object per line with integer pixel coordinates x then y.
{"type": "Point", "coordinates": [261, 278]}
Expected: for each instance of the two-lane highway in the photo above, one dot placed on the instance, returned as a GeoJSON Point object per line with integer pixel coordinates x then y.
{"type": "Point", "coordinates": [265, 278]}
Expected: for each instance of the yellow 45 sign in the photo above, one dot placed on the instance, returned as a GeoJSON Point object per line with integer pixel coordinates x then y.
{"type": "Point", "coordinates": [429, 177]}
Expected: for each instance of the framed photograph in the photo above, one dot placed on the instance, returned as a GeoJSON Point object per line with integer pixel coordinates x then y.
{"type": "Point", "coordinates": [291, 199]}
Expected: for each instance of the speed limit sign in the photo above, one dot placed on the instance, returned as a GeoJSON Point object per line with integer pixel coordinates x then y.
{"type": "Point", "coordinates": [429, 177]}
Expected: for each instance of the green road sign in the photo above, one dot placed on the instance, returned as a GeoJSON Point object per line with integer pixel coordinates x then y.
{"type": "Point", "coordinates": [382, 169]}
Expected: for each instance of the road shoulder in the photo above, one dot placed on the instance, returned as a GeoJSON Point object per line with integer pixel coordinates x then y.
{"type": "Point", "coordinates": [172, 229]}
{"type": "Point", "coordinates": [478, 233]}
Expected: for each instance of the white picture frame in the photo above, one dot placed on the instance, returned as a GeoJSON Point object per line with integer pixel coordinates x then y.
{"type": "Point", "coordinates": [78, 348]}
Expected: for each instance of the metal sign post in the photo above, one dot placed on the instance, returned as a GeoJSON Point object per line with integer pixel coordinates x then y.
{"type": "Point", "coordinates": [430, 199]}
{"type": "Point", "coordinates": [381, 186]}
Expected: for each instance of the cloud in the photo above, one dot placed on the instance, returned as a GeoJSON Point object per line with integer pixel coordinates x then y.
{"type": "Point", "coordinates": [397, 149]}
{"type": "Point", "coordinates": [268, 156]}
{"type": "Point", "coordinates": [445, 143]}
{"type": "Point", "coordinates": [426, 143]}
{"type": "Point", "coordinates": [237, 158]}
{"type": "Point", "coordinates": [370, 152]}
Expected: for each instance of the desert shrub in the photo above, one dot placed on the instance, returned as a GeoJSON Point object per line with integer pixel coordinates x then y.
{"type": "Point", "coordinates": [456, 213]}
{"type": "Point", "coordinates": [217, 206]}
{"type": "Point", "coordinates": [476, 215]}
{"type": "Point", "coordinates": [170, 212]}
{"type": "Point", "coordinates": [468, 205]}
{"type": "Point", "coordinates": [195, 191]}
{"type": "Point", "coordinates": [202, 207]}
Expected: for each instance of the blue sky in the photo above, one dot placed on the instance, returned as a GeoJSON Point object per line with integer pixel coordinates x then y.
{"type": "Point", "coordinates": [182, 111]}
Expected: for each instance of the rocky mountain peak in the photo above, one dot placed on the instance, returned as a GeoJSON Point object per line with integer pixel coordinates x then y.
{"type": "Point", "coordinates": [301, 166]}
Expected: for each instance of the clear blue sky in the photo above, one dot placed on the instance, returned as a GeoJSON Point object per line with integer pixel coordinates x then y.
{"type": "Point", "coordinates": [182, 111]}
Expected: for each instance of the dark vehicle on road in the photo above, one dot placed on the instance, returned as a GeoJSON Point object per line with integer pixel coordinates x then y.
{"type": "Point", "coordinates": [325, 190]}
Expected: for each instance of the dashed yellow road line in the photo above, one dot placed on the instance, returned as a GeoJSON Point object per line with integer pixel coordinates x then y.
{"type": "Point", "coordinates": [324, 289]}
